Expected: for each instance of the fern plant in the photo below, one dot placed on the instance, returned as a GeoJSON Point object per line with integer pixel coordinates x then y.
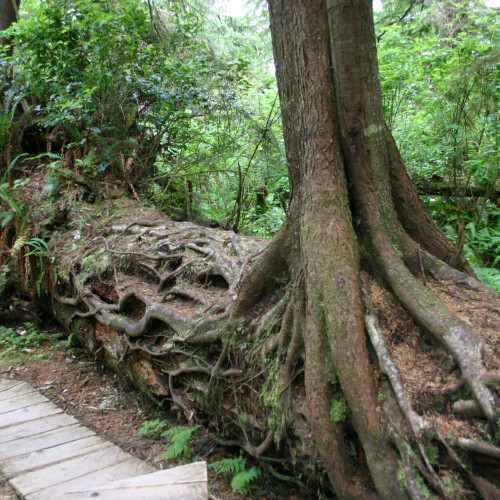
{"type": "Point", "coordinates": [10, 100]}
{"type": "Point", "coordinates": [21, 339]}
{"type": "Point", "coordinates": [41, 250]}
{"type": "Point", "coordinates": [241, 476]}
{"type": "Point", "coordinates": [180, 438]}
{"type": "Point", "coordinates": [152, 428]}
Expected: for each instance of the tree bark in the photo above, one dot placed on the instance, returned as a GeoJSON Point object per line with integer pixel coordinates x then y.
{"type": "Point", "coordinates": [326, 237]}
{"type": "Point", "coordinates": [8, 15]}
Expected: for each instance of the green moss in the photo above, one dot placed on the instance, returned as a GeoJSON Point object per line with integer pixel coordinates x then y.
{"type": "Point", "coordinates": [422, 487]}
{"type": "Point", "coordinates": [271, 396]}
{"type": "Point", "coordinates": [432, 452]}
{"type": "Point", "coordinates": [439, 403]}
{"type": "Point", "coordinates": [95, 263]}
{"type": "Point", "coordinates": [339, 409]}
{"type": "Point", "coordinates": [110, 363]}
{"type": "Point", "coordinates": [402, 477]}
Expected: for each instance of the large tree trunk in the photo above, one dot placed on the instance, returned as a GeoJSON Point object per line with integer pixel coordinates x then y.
{"type": "Point", "coordinates": [332, 119]}
{"type": "Point", "coordinates": [328, 256]}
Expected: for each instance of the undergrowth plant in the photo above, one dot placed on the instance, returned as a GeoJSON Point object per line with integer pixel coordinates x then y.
{"type": "Point", "coordinates": [16, 204]}
{"type": "Point", "coordinates": [242, 477]}
{"type": "Point", "coordinates": [152, 428]}
{"type": "Point", "coordinates": [21, 339]}
{"type": "Point", "coordinates": [482, 246]}
{"type": "Point", "coordinates": [68, 343]}
{"type": "Point", "coordinates": [180, 437]}
{"type": "Point", "coordinates": [41, 250]}
{"type": "Point", "coordinates": [180, 441]}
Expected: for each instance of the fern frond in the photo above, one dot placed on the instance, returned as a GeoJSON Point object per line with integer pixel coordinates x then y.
{"type": "Point", "coordinates": [229, 465]}
{"type": "Point", "coordinates": [180, 437]}
{"type": "Point", "coordinates": [152, 428]}
{"type": "Point", "coordinates": [241, 481]}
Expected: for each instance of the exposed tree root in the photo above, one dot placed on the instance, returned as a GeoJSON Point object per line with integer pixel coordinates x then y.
{"type": "Point", "coordinates": [247, 368]}
{"type": "Point", "coordinates": [478, 447]}
{"type": "Point", "coordinates": [487, 489]}
{"type": "Point", "coordinates": [387, 366]}
{"type": "Point", "coordinates": [254, 451]}
{"type": "Point", "coordinates": [179, 322]}
{"type": "Point", "coordinates": [455, 335]}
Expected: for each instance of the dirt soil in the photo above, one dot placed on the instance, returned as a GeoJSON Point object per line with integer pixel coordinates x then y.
{"type": "Point", "coordinates": [115, 411]}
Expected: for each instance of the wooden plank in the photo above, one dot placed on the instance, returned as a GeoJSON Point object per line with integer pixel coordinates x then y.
{"type": "Point", "coordinates": [15, 390]}
{"type": "Point", "coordinates": [31, 413]}
{"type": "Point", "coordinates": [32, 428]}
{"type": "Point", "coordinates": [187, 481]}
{"type": "Point", "coordinates": [128, 468]}
{"type": "Point", "coordinates": [43, 440]}
{"type": "Point", "coordinates": [21, 401]}
{"type": "Point", "coordinates": [6, 384]}
{"type": "Point", "coordinates": [190, 473]}
{"type": "Point", "coordinates": [51, 456]}
{"type": "Point", "coordinates": [31, 482]}
{"type": "Point", "coordinates": [194, 491]}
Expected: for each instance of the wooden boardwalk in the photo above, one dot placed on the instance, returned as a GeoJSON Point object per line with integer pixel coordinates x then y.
{"type": "Point", "coordinates": [46, 454]}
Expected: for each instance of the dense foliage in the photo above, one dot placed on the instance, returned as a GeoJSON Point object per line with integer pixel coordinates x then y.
{"type": "Point", "coordinates": [161, 103]}
{"type": "Point", "coordinates": [180, 103]}
{"type": "Point", "coordinates": [440, 78]}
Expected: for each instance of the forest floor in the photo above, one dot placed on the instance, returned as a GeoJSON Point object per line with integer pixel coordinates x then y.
{"type": "Point", "coordinates": [115, 411]}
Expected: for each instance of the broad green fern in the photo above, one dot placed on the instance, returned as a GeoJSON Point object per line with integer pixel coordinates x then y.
{"type": "Point", "coordinates": [229, 465]}
{"type": "Point", "coordinates": [152, 428]}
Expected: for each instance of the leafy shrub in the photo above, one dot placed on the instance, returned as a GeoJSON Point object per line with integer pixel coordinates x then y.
{"type": "Point", "coordinates": [482, 244]}
{"type": "Point", "coordinates": [440, 100]}
{"type": "Point", "coordinates": [102, 81]}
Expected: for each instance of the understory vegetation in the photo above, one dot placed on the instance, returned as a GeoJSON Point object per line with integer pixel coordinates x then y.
{"type": "Point", "coordinates": [184, 110]}
{"type": "Point", "coordinates": [142, 176]}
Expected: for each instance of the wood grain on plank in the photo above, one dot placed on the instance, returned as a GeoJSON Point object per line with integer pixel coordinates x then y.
{"type": "Point", "coordinates": [29, 429]}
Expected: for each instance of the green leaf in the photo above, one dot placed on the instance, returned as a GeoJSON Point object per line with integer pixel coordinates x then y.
{"type": "Point", "coordinates": [7, 217]}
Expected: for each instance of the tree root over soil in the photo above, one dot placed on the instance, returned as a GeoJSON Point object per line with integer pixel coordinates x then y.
{"type": "Point", "coordinates": [178, 310]}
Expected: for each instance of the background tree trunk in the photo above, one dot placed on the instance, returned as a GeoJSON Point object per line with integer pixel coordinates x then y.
{"type": "Point", "coordinates": [8, 15]}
